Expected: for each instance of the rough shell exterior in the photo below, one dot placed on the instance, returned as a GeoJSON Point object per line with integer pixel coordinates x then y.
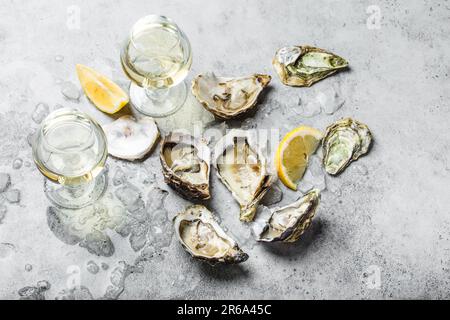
{"type": "Point", "coordinates": [345, 140]}
{"type": "Point", "coordinates": [222, 95]}
{"type": "Point", "coordinates": [293, 71]}
{"type": "Point", "coordinates": [302, 211]}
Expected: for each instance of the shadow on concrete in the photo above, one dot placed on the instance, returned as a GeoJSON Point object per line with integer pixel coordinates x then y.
{"type": "Point", "coordinates": [301, 247]}
{"type": "Point", "coordinates": [224, 272]}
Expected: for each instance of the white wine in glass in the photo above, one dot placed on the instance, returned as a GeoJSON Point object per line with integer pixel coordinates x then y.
{"type": "Point", "coordinates": [70, 150]}
{"type": "Point", "coordinates": [157, 58]}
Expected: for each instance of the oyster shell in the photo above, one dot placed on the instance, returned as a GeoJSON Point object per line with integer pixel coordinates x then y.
{"type": "Point", "coordinates": [288, 223]}
{"type": "Point", "coordinates": [345, 141]}
{"type": "Point", "coordinates": [227, 98]}
{"type": "Point", "coordinates": [186, 164]}
{"type": "Point", "coordinates": [131, 139]}
{"type": "Point", "coordinates": [242, 168]}
{"type": "Point", "coordinates": [204, 239]}
{"type": "Point", "coordinates": [302, 66]}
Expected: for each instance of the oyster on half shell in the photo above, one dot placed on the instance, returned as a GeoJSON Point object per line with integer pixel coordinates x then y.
{"type": "Point", "coordinates": [302, 66]}
{"type": "Point", "coordinates": [242, 168]}
{"type": "Point", "coordinates": [227, 98]}
{"type": "Point", "coordinates": [186, 164]}
{"type": "Point", "coordinates": [204, 239]}
{"type": "Point", "coordinates": [288, 223]}
{"type": "Point", "coordinates": [345, 141]}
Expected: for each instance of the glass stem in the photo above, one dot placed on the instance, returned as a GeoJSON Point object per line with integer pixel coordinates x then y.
{"type": "Point", "coordinates": [157, 94]}
{"type": "Point", "coordinates": [80, 190]}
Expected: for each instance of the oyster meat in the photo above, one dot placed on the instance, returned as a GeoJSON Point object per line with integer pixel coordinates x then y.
{"type": "Point", "coordinates": [345, 141]}
{"type": "Point", "coordinates": [131, 139]}
{"type": "Point", "coordinates": [302, 66]}
{"type": "Point", "coordinates": [288, 223]}
{"type": "Point", "coordinates": [241, 166]}
{"type": "Point", "coordinates": [204, 239]}
{"type": "Point", "coordinates": [227, 98]}
{"type": "Point", "coordinates": [186, 164]}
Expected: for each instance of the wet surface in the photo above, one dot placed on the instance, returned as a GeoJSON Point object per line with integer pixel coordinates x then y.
{"type": "Point", "coordinates": [382, 226]}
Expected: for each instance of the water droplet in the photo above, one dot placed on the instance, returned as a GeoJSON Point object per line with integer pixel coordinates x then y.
{"type": "Point", "coordinates": [70, 91]}
{"type": "Point", "coordinates": [28, 267]}
{"type": "Point", "coordinates": [59, 58]}
{"type": "Point", "coordinates": [43, 285]}
{"type": "Point", "coordinates": [105, 266]}
{"type": "Point", "coordinates": [92, 267]}
{"type": "Point", "coordinates": [40, 112]}
{"type": "Point", "coordinates": [17, 163]}
{"type": "Point", "coordinates": [5, 181]}
{"type": "Point", "coordinates": [119, 177]}
{"type": "Point", "coordinates": [13, 195]}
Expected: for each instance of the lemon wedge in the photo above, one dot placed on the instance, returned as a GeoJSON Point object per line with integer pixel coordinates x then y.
{"type": "Point", "coordinates": [104, 94]}
{"type": "Point", "coordinates": [291, 158]}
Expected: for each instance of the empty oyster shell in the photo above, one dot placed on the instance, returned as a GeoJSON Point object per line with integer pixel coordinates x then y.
{"type": "Point", "coordinates": [241, 166]}
{"type": "Point", "coordinates": [344, 141]}
{"type": "Point", "coordinates": [288, 223]}
{"type": "Point", "coordinates": [204, 239]}
{"type": "Point", "coordinates": [186, 164]}
{"type": "Point", "coordinates": [131, 139]}
{"type": "Point", "coordinates": [302, 66]}
{"type": "Point", "coordinates": [228, 97]}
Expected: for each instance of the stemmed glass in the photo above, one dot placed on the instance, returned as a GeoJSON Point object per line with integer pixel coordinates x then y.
{"type": "Point", "coordinates": [70, 150]}
{"type": "Point", "coordinates": [157, 57]}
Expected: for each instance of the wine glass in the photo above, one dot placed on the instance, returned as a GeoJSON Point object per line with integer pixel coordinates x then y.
{"type": "Point", "coordinates": [70, 150]}
{"type": "Point", "coordinates": [157, 58]}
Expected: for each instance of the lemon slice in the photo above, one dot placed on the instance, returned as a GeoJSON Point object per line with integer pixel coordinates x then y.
{"type": "Point", "coordinates": [104, 94]}
{"type": "Point", "coordinates": [293, 152]}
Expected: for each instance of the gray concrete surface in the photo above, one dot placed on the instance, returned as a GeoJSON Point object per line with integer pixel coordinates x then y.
{"type": "Point", "coordinates": [382, 229]}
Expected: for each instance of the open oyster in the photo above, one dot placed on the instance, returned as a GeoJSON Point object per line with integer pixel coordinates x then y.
{"type": "Point", "coordinates": [288, 223]}
{"type": "Point", "coordinates": [204, 239]}
{"type": "Point", "coordinates": [131, 139]}
{"type": "Point", "coordinates": [241, 166]}
{"type": "Point", "coordinates": [345, 141]}
{"type": "Point", "coordinates": [302, 66]}
{"type": "Point", "coordinates": [228, 97]}
{"type": "Point", "coordinates": [186, 164]}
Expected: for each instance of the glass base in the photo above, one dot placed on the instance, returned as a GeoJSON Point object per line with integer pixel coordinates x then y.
{"type": "Point", "coordinates": [76, 197]}
{"type": "Point", "coordinates": [160, 102]}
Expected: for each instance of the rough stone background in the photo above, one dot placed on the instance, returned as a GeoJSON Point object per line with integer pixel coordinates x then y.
{"type": "Point", "coordinates": [382, 230]}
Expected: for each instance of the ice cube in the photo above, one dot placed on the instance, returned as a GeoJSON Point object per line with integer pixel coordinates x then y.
{"type": "Point", "coordinates": [5, 181]}
{"type": "Point", "coordinates": [13, 195]}
{"type": "Point", "coordinates": [70, 91]}
{"type": "Point", "coordinates": [92, 267]}
{"type": "Point", "coordinates": [40, 112]}
{"type": "Point", "coordinates": [17, 163]}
